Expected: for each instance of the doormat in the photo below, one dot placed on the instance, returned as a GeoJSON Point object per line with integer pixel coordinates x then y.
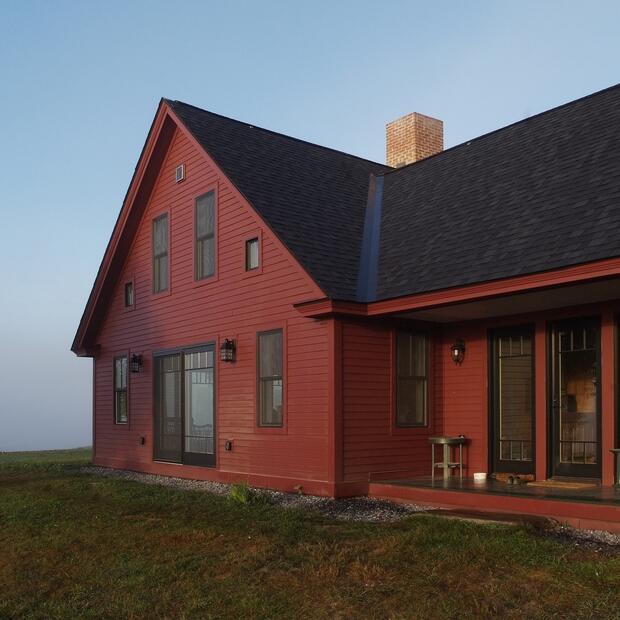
{"type": "Point", "coordinates": [559, 484]}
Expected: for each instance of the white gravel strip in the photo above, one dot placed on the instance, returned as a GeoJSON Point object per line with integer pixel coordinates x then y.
{"type": "Point", "coordinates": [585, 538]}
{"type": "Point", "coordinates": [350, 509]}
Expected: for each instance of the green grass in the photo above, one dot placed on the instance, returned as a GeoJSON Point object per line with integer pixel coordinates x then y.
{"type": "Point", "coordinates": [78, 546]}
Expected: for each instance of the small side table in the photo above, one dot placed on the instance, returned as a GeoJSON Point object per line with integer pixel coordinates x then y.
{"type": "Point", "coordinates": [446, 464]}
{"type": "Point", "coordinates": [616, 453]}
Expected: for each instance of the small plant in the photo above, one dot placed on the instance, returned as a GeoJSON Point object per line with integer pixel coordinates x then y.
{"type": "Point", "coordinates": [241, 493]}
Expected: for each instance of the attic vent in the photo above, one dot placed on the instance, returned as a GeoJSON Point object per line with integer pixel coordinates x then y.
{"type": "Point", "coordinates": [180, 173]}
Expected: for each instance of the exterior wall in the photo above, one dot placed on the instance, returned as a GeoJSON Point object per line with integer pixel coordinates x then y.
{"type": "Point", "coordinates": [232, 304]}
{"type": "Point", "coordinates": [373, 446]}
{"type": "Point", "coordinates": [374, 449]}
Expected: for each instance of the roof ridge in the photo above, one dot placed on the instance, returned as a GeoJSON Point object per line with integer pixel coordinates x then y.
{"type": "Point", "coordinates": [513, 124]}
{"type": "Point", "coordinates": [277, 133]}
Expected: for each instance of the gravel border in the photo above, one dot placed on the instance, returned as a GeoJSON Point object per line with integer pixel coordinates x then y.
{"type": "Point", "coordinates": [367, 509]}
{"type": "Point", "coordinates": [598, 540]}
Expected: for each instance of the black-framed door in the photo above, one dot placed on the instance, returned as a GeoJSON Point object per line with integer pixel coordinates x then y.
{"type": "Point", "coordinates": [512, 405]}
{"type": "Point", "coordinates": [575, 395]}
{"type": "Point", "coordinates": [184, 399]}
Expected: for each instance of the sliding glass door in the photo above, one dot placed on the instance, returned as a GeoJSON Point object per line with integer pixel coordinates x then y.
{"type": "Point", "coordinates": [575, 398]}
{"type": "Point", "coordinates": [185, 406]}
{"type": "Point", "coordinates": [512, 415]}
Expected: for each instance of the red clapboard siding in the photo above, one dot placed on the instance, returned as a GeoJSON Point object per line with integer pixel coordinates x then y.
{"type": "Point", "coordinates": [232, 304]}
{"type": "Point", "coordinates": [464, 395]}
{"type": "Point", "coordinates": [372, 447]}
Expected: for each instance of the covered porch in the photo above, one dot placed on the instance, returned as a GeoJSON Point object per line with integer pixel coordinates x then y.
{"type": "Point", "coordinates": [529, 379]}
{"type": "Point", "coordinates": [587, 507]}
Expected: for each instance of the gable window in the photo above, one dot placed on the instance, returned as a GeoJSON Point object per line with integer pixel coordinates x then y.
{"type": "Point", "coordinates": [411, 379]}
{"type": "Point", "coordinates": [160, 253]}
{"type": "Point", "coordinates": [270, 380]}
{"type": "Point", "coordinates": [129, 295]}
{"type": "Point", "coordinates": [205, 235]}
{"type": "Point", "coordinates": [251, 254]}
{"type": "Point", "coordinates": [120, 390]}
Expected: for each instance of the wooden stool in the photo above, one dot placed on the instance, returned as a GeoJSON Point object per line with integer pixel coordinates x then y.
{"type": "Point", "coordinates": [446, 464]}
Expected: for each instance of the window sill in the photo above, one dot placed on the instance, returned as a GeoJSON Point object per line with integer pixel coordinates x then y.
{"type": "Point", "coordinates": [271, 430]}
{"type": "Point", "coordinates": [205, 281]}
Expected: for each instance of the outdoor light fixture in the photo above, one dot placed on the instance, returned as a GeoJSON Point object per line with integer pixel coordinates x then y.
{"type": "Point", "coordinates": [227, 350]}
{"type": "Point", "coordinates": [135, 364]}
{"type": "Point", "coordinates": [457, 351]}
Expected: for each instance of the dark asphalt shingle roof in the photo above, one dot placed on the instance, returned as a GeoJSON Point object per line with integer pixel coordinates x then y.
{"type": "Point", "coordinates": [312, 197]}
{"type": "Point", "coordinates": [541, 194]}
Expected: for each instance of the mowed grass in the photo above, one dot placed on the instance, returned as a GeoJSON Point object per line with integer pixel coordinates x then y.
{"type": "Point", "coordinates": [82, 546]}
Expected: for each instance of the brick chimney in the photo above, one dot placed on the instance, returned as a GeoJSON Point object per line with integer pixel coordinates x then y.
{"type": "Point", "coordinates": [411, 138]}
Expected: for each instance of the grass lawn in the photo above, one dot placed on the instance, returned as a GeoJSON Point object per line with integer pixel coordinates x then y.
{"type": "Point", "coordinates": [81, 546]}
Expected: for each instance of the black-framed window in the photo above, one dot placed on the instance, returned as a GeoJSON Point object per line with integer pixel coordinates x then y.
{"type": "Point", "coordinates": [411, 379]}
{"type": "Point", "coordinates": [160, 253]}
{"type": "Point", "coordinates": [129, 295]}
{"type": "Point", "coordinates": [270, 378]}
{"type": "Point", "coordinates": [205, 235]}
{"type": "Point", "coordinates": [121, 402]}
{"type": "Point", "coordinates": [251, 254]}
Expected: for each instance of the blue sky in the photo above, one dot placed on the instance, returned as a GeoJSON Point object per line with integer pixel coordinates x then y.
{"type": "Point", "coordinates": [80, 82]}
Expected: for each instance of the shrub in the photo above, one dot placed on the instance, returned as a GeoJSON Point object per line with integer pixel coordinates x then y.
{"type": "Point", "coordinates": [241, 493]}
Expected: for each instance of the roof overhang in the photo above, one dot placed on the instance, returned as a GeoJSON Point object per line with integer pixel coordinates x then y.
{"type": "Point", "coordinates": [577, 285]}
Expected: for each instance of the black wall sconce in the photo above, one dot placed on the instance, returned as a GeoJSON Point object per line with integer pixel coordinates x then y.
{"type": "Point", "coordinates": [135, 363]}
{"type": "Point", "coordinates": [457, 351]}
{"type": "Point", "coordinates": [227, 350]}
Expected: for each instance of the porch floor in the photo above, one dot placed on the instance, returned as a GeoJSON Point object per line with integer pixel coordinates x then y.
{"type": "Point", "coordinates": [597, 493]}
{"type": "Point", "coordinates": [595, 507]}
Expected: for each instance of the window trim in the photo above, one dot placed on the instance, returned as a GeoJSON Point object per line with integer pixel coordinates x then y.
{"type": "Point", "coordinates": [259, 427]}
{"type": "Point", "coordinates": [427, 426]}
{"type": "Point", "coordinates": [250, 273]}
{"type": "Point", "coordinates": [209, 278]}
{"type": "Point", "coordinates": [131, 306]}
{"type": "Point", "coordinates": [115, 390]}
{"type": "Point", "coordinates": [165, 291]}
{"type": "Point", "coordinates": [248, 244]}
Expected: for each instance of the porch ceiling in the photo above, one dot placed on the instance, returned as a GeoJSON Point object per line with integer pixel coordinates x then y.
{"type": "Point", "coordinates": [521, 303]}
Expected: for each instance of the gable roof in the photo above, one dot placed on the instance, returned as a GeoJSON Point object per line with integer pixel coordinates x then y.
{"type": "Point", "coordinates": [541, 194]}
{"type": "Point", "coordinates": [312, 197]}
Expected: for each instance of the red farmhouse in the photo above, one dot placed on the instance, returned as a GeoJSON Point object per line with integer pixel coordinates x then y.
{"type": "Point", "coordinates": [281, 313]}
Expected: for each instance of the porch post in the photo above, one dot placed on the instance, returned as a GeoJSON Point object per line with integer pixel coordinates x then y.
{"type": "Point", "coordinates": [540, 359]}
{"type": "Point", "coordinates": [608, 380]}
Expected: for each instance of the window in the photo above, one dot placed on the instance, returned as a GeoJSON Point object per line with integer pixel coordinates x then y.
{"type": "Point", "coordinates": [270, 384]}
{"type": "Point", "coordinates": [251, 254]}
{"type": "Point", "coordinates": [205, 236]}
{"type": "Point", "coordinates": [179, 173]}
{"type": "Point", "coordinates": [128, 294]}
{"type": "Point", "coordinates": [411, 379]}
{"type": "Point", "coordinates": [120, 390]}
{"type": "Point", "coordinates": [160, 254]}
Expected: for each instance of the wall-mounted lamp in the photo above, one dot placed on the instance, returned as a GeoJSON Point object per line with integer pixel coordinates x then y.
{"type": "Point", "coordinates": [457, 351]}
{"type": "Point", "coordinates": [227, 350]}
{"type": "Point", "coordinates": [135, 363]}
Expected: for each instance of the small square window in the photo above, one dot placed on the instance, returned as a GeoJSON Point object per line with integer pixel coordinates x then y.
{"type": "Point", "coordinates": [251, 254]}
{"type": "Point", "coordinates": [180, 173]}
{"type": "Point", "coordinates": [129, 299]}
